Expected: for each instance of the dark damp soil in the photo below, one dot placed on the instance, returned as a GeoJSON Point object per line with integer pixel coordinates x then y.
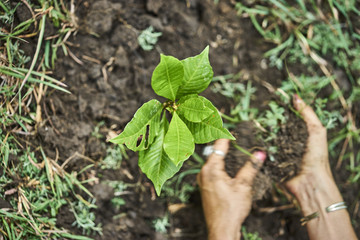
{"type": "Point", "coordinates": [112, 80]}
{"type": "Point", "coordinates": [285, 163]}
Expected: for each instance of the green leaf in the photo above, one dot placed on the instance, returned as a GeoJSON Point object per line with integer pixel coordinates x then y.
{"type": "Point", "coordinates": [194, 109]}
{"type": "Point", "coordinates": [178, 142]}
{"type": "Point", "coordinates": [143, 127]}
{"type": "Point", "coordinates": [155, 163]}
{"type": "Point", "coordinates": [167, 77]}
{"type": "Point", "coordinates": [198, 74]}
{"type": "Point", "coordinates": [210, 128]}
{"type": "Point", "coordinates": [186, 97]}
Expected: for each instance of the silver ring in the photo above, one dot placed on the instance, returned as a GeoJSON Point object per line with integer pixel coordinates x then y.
{"type": "Point", "coordinates": [336, 206]}
{"type": "Point", "coordinates": [219, 152]}
{"type": "Point", "coordinates": [208, 150]}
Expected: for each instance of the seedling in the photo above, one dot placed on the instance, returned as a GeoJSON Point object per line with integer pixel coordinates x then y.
{"type": "Point", "coordinates": [176, 189]}
{"type": "Point", "coordinates": [240, 94]}
{"type": "Point", "coordinates": [85, 219]}
{"type": "Point", "coordinates": [272, 118]}
{"type": "Point", "coordinates": [148, 38]}
{"type": "Point", "coordinates": [164, 147]}
{"type": "Point", "coordinates": [119, 190]}
{"type": "Point", "coordinates": [160, 224]}
{"type": "Point", "coordinates": [114, 157]}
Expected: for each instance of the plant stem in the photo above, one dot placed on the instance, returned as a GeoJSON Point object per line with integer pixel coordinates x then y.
{"type": "Point", "coordinates": [243, 150]}
{"type": "Point", "coordinates": [4, 7]}
{"type": "Point", "coordinates": [231, 119]}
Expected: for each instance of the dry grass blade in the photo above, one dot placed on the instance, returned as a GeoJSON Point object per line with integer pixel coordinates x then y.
{"type": "Point", "coordinates": [38, 47]}
{"type": "Point", "coordinates": [76, 154]}
{"type": "Point", "coordinates": [23, 106]}
{"type": "Point", "coordinates": [275, 209]}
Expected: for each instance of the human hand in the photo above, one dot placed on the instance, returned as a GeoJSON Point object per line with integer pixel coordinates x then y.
{"type": "Point", "coordinates": [315, 162]}
{"type": "Point", "coordinates": [314, 187]}
{"type": "Point", "coordinates": [226, 201]}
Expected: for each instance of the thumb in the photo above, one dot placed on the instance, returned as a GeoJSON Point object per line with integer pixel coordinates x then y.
{"type": "Point", "coordinates": [248, 172]}
{"type": "Point", "coordinates": [306, 112]}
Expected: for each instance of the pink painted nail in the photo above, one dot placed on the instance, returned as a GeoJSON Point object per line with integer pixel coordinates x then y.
{"type": "Point", "coordinates": [297, 98]}
{"type": "Point", "coordinates": [260, 156]}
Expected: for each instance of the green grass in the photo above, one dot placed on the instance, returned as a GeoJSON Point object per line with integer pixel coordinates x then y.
{"type": "Point", "coordinates": [37, 190]}
{"type": "Point", "coordinates": [35, 186]}
{"type": "Point", "coordinates": [323, 40]}
{"type": "Point", "coordinates": [240, 94]}
{"type": "Point", "coordinates": [176, 189]}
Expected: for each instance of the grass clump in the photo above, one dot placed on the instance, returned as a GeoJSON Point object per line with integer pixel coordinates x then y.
{"type": "Point", "coordinates": [34, 187]}
{"type": "Point", "coordinates": [34, 192]}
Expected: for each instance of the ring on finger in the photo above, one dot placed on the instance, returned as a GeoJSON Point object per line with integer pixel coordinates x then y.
{"type": "Point", "coordinates": [208, 150]}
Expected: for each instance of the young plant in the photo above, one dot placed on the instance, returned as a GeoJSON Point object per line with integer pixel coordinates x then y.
{"type": "Point", "coordinates": [240, 94]}
{"type": "Point", "coordinates": [119, 188]}
{"type": "Point", "coordinates": [271, 121]}
{"type": "Point", "coordinates": [148, 38]}
{"type": "Point", "coordinates": [160, 224]}
{"type": "Point", "coordinates": [164, 147]}
{"type": "Point", "coordinates": [84, 218]}
{"type": "Point", "coordinates": [272, 118]}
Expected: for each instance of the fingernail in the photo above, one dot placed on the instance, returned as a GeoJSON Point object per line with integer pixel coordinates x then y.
{"type": "Point", "coordinates": [260, 156]}
{"type": "Point", "coordinates": [297, 101]}
{"type": "Point", "coordinates": [297, 98]}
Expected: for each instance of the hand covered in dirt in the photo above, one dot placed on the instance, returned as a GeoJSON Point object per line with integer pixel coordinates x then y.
{"type": "Point", "coordinates": [314, 187]}
{"type": "Point", "coordinates": [315, 160]}
{"type": "Point", "coordinates": [227, 201]}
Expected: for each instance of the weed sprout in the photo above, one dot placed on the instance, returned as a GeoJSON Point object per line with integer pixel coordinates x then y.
{"type": "Point", "coordinates": [160, 224]}
{"type": "Point", "coordinates": [85, 219]}
{"type": "Point", "coordinates": [148, 38]}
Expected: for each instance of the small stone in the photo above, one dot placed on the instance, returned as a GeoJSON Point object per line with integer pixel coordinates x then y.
{"type": "Point", "coordinates": [100, 18]}
{"type": "Point", "coordinates": [103, 191]}
{"type": "Point", "coordinates": [94, 71]}
{"type": "Point", "coordinates": [125, 35]}
{"type": "Point", "coordinates": [121, 58]}
{"type": "Point", "coordinates": [153, 6]}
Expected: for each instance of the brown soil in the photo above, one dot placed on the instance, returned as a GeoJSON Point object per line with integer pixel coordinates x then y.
{"type": "Point", "coordinates": [108, 34]}
{"type": "Point", "coordinates": [290, 140]}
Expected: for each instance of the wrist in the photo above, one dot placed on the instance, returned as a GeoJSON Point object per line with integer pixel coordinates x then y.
{"type": "Point", "coordinates": [316, 191]}
{"type": "Point", "coordinates": [228, 231]}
